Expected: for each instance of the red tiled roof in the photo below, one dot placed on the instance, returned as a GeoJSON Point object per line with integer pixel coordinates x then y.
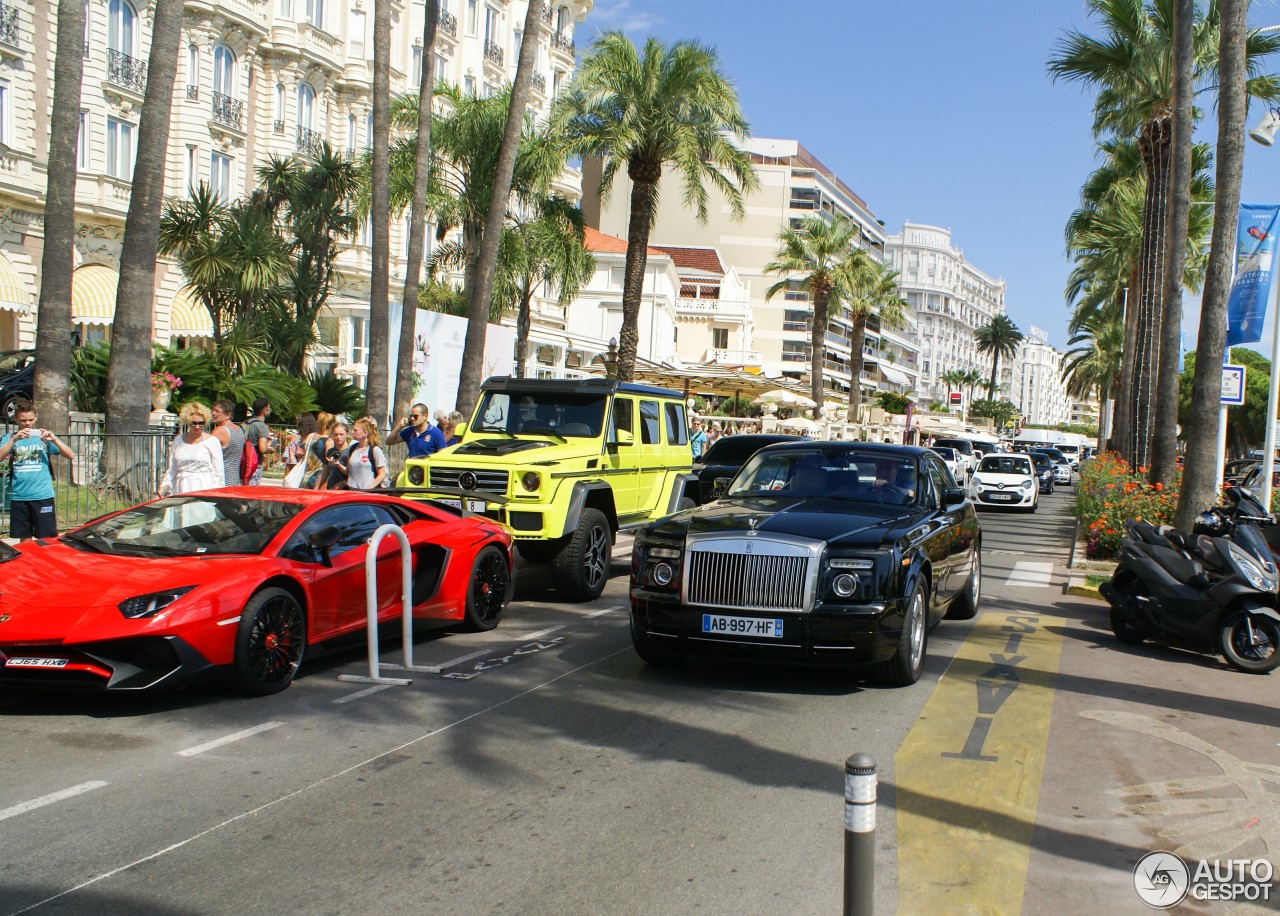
{"type": "Point", "coordinates": [704, 259]}
{"type": "Point", "coordinates": [595, 240]}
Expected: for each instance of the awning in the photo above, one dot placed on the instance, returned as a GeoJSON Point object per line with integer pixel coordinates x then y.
{"type": "Point", "coordinates": [14, 295]}
{"type": "Point", "coordinates": [895, 376]}
{"type": "Point", "coordinates": [188, 317]}
{"type": "Point", "coordinates": [93, 294]}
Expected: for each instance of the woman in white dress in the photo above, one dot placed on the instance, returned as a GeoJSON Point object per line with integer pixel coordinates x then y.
{"type": "Point", "coordinates": [195, 457]}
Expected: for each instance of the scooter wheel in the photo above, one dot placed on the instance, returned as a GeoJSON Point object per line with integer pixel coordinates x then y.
{"type": "Point", "coordinates": [1125, 631]}
{"type": "Point", "coordinates": [1256, 657]}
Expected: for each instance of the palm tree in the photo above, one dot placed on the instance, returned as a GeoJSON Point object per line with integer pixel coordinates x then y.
{"type": "Point", "coordinates": [824, 255]}
{"type": "Point", "coordinates": [499, 194]}
{"type": "Point", "coordinates": [875, 291]}
{"type": "Point", "coordinates": [377, 381]}
{"type": "Point", "coordinates": [404, 392]}
{"type": "Point", "coordinates": [666, 106]}
{"type": "Point", "coordinates": [1130, 63]}
{"type": "Point", "coordinates": [1092, 365]}
{"type": "Point", "coordinates": [53, 316]}
{"type": "Point", "coordinates": [128, 396]}
{"type": "Point", "coordinates": [972, 379]}
{"type": "Point", "coordinates": [953, 379]}
{"type": "Point", "coordinates": [999, 338]}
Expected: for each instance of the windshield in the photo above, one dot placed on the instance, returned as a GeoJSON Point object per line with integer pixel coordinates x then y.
{"type": "Point", "coordinates": [548, 413]}
{"type": "Point", "coordinates": [861, 476]}
{"type": "Point", "coordinates": [963, 446]}
{"type": "Point", "coordinates": [188, 525]}
{"type": "Point", "coordinates": [1040, 461]}
{"type": "Point", "coordinates": [948, 454]}
{"type": "Point", "coordinates": [737, 449]}
{"type": "Point", "coordinates": [1069, 450]}
{"type": "Point", "coordinates": [1054, 454]}
{"type": "Point", "coordinates": [1005, 464]}
{"type": "Point", "coordinates": [13, 360]}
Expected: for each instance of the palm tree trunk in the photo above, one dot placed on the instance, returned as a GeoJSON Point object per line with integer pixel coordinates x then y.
{"type": "Point", "coordinates": [1164, 435]}
{"type": "Point", "coordinates": [53, 317]}
{"type": "Point", "coordinates": [1154, 142]}
{"type": "Point", "coordinates": [377, 381]}
{"type": "Point", "coordinates": [128, 398]}
{"type": "Point", "coordinates": [856, 361]}
{"type": "Point", "coordinates": [522, 331]}
{"type": "Point", "coordinates": [404, 393]}
{"type": "Point", "coordinates": [643, 194]}
{"type": "Point", "coordinates": [478, 307]}
{"type": "Point", "coordinates": [1199, 478]}
{"type": "Point", "coordinates": [995, 373]}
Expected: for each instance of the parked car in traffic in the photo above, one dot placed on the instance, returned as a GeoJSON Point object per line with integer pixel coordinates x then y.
{"type": "Point", "coordinates": [954, 461]}
{"type": "Point", "coordinates": [1234, 472]}
{"type": "Point", "coordinates": [1061, 465]}
{"type": "Point", "coordinates": [1005, 480]}
{"type": "Point", "coordinates": [1043, 469]}
{"type": "Point", "coordinates": [964, 447]}
{"type": "Point", "coordinates": [17, 380]}
{"type": "Point", "coordinates": [820, 553]}
{"type": "Point", "coordinates": [726, 457]}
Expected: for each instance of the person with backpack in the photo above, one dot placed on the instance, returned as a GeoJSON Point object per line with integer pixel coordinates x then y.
{"type": "Point", "coordinates": [367, 465]}
{"type": "Point", "coordinates": [231, 438]}
{"type": "Point", "coordinates": [258, 437]}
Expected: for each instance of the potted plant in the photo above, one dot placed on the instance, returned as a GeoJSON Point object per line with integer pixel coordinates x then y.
{"type": "Point", "coordinates": [163, 385]}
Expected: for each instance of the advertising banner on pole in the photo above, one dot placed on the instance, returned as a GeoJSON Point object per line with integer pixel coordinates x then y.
{"type": "Point", "coordinates": [1255, 273]}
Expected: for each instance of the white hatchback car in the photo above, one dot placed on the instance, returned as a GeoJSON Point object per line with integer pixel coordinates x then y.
{"type": "Point", "coordinates": [955, 463]}
{"type": "Point", "coordinates": [1005, 480]}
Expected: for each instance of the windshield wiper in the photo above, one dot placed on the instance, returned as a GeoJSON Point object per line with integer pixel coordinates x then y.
{"type": "Point", "coordinates": [544, 431]}
{"type": "Point", "coordinates": [83, 542]}
{"type": "Point", "coordinates": [152, 550]}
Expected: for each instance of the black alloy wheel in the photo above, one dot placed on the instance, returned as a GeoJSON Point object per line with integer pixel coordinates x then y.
{"type": "Point", "coordinates": [489, 589]}
{"type": "Point", "coordinates": [582, 566]}
{"type": "Point", "coordinates": [270, 640]}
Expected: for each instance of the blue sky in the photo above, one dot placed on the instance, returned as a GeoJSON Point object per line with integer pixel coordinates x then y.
{"type": "Point", "coordinates": [932, 110]}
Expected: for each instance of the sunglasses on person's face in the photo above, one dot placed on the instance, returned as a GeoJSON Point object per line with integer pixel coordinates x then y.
{"type": "Point", "coordinates": [415, 416]}
{"type": "Point", "coordinates": [195, 422]}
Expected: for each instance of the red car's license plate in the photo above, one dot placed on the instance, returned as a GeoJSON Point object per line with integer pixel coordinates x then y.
{"type": "Point", "coordinates": [36, 662]}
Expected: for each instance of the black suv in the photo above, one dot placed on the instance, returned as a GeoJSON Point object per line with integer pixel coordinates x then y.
{"type": "Point", "coordinates": [17, 380]}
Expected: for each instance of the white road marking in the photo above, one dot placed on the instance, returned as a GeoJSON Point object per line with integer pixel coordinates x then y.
{"type": "Point", "coordinates": [1030, 575]}
{"type": "Point", "coordinates": [254, 812]}
{"type": "Point", "coordinates": [24, 807]}
{"type": "Point", "coordinates": [467, 658]}
{"type": "Point", "coordinates": [228, 739]}
{"type": "Point", "coordinates": [541, 633]}
{"type": "Point", "coordinates": [362, 693]}
{"type": "Point", "coordinates": [607, 610]}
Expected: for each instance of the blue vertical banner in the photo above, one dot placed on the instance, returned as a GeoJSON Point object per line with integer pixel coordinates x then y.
{"type": "Point", "coordinates": [1255, 272]}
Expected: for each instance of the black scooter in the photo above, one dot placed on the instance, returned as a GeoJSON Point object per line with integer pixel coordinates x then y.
{"type": "Point", "coordinates": [1214, 589]}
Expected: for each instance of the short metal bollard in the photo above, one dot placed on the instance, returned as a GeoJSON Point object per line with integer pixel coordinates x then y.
{"type": "Point", "coordinates": [859, 835]}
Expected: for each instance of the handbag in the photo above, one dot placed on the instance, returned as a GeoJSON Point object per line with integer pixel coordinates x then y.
{"type": "Point", "coordinates": [298, 472]}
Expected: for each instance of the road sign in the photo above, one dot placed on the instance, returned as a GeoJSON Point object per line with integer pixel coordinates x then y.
{"type": "Point", "coordinates": [957, 399]}
{"type": "Point", "coordinates": [1232, 385]}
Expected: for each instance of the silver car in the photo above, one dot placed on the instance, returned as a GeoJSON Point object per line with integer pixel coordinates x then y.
{"type": "Point", "coordinates": [1061, 466]}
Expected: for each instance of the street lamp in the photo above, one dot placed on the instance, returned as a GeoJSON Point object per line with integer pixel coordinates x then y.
{"type": "Point", "coordinates": [1265, 132]}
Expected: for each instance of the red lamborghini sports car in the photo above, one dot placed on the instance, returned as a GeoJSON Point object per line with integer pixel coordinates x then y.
{"type": "Point", "coordinates": [241, 582]}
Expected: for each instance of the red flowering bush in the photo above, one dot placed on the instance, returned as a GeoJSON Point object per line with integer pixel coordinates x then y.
{"type": "Point", "coordinates": [1108, 493]}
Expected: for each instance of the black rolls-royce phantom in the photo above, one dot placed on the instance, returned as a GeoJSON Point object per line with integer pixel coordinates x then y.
{"type": "Point", "coordinates": [823, 553]}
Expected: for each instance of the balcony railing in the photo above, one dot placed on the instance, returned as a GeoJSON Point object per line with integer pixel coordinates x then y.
{"type": "Point", "coordinates": [492, 53]}
{"type": "Point", "coordinates": [8, 24]}
{"type": "Point", "coordinates": [193, 93]}
{"type": "Point", "coordinates": [309, 141]}
{"type": "Point", "coordinates": [277, 126]}
{"type": "Point", "coordinates": [727, 308]}
{"type": "Point", "coordinates": [227, 110]}
{"type": "Point", "coordinates": [448, 23]}
{"type": "Point", "coordinates": [745, 357]}
{"type": "Point", "coordinates": [127, 72]}
{"type": "Point", "coordinates": [539, 82]}
{"type": "Point", "coordinates": [561, 42]}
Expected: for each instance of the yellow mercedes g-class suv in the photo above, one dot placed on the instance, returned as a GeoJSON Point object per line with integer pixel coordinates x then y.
{"type": "Point", "coordinates": [577, 459]}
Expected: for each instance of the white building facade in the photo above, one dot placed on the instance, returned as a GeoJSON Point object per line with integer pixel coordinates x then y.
{"type": "Point", "coordinates": [255, 78]}
{"type": "Point", "coordinates": [1039, 392]}
{"type": "Point", "coordinates": [949, 300]}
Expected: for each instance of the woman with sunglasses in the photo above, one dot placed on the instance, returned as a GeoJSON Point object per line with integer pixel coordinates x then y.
{"type": "Point", "coordinates": [195, 457]}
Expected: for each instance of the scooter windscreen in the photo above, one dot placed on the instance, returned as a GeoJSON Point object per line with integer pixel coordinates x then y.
{"type": "Point", "coordinates": [1250, 539]}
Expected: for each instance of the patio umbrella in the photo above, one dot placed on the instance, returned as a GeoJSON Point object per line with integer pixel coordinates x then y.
{"type": "Point", "coordinates": [785, 396]}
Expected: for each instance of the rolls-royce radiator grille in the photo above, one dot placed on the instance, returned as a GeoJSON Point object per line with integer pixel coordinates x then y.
{"type": "Point", "coordinates": [458, 479]}
{"type": "Point", "coordinates": [747, 581]}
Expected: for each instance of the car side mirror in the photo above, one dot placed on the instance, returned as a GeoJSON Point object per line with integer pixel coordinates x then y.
{"type": "Point", "coordinates": [720, 487]}
{"type": "Point", "coordinates": [322, 541]}
{"type": "Point", "coordinates": [460, 431]}
{"type": "Point", "coordinates": [624, 437]}
{"type": "Point", "coordinates": [952, 496]}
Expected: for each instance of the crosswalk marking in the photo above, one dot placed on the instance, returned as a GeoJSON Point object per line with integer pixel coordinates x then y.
{"type": "Point", "coordinates": [1030, 575]}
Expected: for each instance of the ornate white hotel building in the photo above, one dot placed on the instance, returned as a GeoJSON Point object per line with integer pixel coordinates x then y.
{"type": "Point", "coordinates": [949, 299]}
{"type": "Point", "coordinates": [255, 78]}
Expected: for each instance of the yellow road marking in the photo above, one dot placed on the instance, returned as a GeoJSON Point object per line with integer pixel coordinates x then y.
{"type": "Point", "coordinates": [968, 773]}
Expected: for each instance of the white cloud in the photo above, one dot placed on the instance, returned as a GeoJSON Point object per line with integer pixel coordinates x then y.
{"type": "Point", "coordinates": [622, 14]}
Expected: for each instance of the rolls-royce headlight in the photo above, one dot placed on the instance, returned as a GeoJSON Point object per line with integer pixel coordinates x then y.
{"type": "Point", "coordinates": [845, 585]}
{"type": "Point", "coordinates": [417, 476]}
{"type": "Point", "coordinates": [853, 563]}
{"type": "Point", "coordinates": [664, 553]}
{"type": "Point", "coordinates": [663, 574]}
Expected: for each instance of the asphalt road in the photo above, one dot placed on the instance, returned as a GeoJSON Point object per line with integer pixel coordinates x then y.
{"type": "Point", "coordinates": [546, 770]}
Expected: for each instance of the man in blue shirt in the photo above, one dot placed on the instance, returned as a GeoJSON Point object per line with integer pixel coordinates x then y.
{"type": "Point", "coordinates": [31, 476]}
{"type": "Point", "coordinates": [415, 431]}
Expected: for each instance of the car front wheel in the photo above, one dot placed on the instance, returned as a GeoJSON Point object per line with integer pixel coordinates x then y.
{"type": "Point", "coordinates": [582, 565]}
{"type": "Point", "coordinates": [488, 591]}
{"type": "Point", "coordinates": [904, 668]}
{"type": "Point", "coordinates": [965, 605]}
{"type": "Point", "coordinates": [270, 641]}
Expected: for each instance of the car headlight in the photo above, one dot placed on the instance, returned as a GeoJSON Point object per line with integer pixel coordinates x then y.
{"type": "Point", "coordinates": [853, 563]}
{"type": "Point", "coordinates": [663, 573]}
{"type": "Point", "coordinates": [1028, 484]}
{"type": "Point", "coordinates": [417, 476]}
{"type": "Point", "coordinates": [152, 603]}
{"type": "Point", "coordinates": [664, 553]}
{"type": "Point", "coordinates": [531, 481]}
{"type": "Point", "coordinates": [845, 585]}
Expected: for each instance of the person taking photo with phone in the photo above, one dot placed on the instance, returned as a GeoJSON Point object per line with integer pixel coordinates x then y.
{"type": "Point", "coordinates": [32, 512]}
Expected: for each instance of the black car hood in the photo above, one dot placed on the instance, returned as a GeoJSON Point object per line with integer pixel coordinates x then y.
{"type": "Point", "coordinates": [839, 522]}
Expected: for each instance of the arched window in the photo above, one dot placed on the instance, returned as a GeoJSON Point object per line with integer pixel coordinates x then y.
{"type": "Point", "coordinates": [224, 71]}
{"type": "Point", "coordinates": [122, 26]}
{"type": "Point", "coordinates": [306, 106]}
{"type": "Point", "coordinates": [562, 20]}
{"type": "Point", "coordinates": [280, 107]}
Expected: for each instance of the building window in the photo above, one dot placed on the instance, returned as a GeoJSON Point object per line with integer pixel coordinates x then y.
{"type": "Point", "coordinates": [122, 28]}
{"type": "Point", "coordinates": [492, 23]}
{"type": "Point", "coordinates": [441, 65]}
{"type": "Point", "coordinates": [359, 340]}
{"type": "Point", "coordinates": [82, 142]}
{"type": "Point", "coordinates": [469, 85]}
{"type": "Point", "coordinates": [368, 131]}
{"type": "Point", "coordinates": [6, 113]}
{"type": "Point", "coordinates": [284, 9]}
{"type": "Point", "coordinates": [315, 13]}
{"type": "Point", "coordinates": [220, 176]}
{"type": "Point", "coordinates": [365, 236]}
{"type": "Point", "coordinates": [562, 20]}
{"type": "Point", "coordinates": [193, 71]}
{"type": "Point", "coordinates": [720, 338]}
{"type": "Point", "coordinates": [355, 34]}
{"type": "Point", "coordinates": [86, 28]}
{"type": "Point", "coordinates": [351, 135]}
{"type": "Point", "coordinates": [306, 105]}
{"type": "Point", "coordinates": [191, 167]}
{"type": "Point", "coordinates": [119, 149]}
{"type": "Point", "coordinates": [224, 71]}
{"type": "Point", "coordinates": [473, 16]}
{"type": "Point", "coordinates": [416, 67]}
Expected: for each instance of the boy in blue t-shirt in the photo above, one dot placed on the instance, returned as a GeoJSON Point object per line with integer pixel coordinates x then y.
{"type": "Point", "coordinates": [31, 511]}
